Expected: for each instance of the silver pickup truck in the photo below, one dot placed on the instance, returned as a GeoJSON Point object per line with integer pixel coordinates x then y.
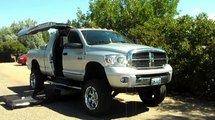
{"type": "Point", "coordinates": [99, 62]}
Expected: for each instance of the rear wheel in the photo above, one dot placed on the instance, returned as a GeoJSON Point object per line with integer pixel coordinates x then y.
{"type": "Point", "coordinates": [37, 82]}
{"type": "Point", "coordinates": [36, 79]}
{"type": "Point", "coordinates": [32, 80]}
{"type": "Point", "coordinates": [153, 96]}
{"type": "Point", "coordinates": [96, 97]}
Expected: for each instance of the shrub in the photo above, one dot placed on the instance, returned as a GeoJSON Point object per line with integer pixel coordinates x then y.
{"type": "Point", "coordinates": [11, 48]}
{"type": "Point", "coordinates": [190, 44]}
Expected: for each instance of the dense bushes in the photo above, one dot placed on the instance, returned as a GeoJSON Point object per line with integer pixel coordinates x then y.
{"type": "Point", "coordinates": [190, 44]}
{"type": "Point", "coordinates": [11, 44]}
{"type": "Point", "coordinates": [11, 48]}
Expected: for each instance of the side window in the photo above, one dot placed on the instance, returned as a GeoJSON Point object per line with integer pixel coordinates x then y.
{"type": "Point", "coordinates": [74, 40]}
{"type": "Point", "coordinates": [74, 37]}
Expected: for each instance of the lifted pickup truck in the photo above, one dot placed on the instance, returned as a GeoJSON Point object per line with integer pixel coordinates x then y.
{"type": "Point", "coordinates": [99, 62]}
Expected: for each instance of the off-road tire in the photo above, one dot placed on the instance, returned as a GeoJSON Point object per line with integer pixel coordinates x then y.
{"type": "Point", "coordinates": [36, 79]}
{"type": "Point", "coordinates": [102, 95]}
{"type": "Point", "coordinates": [153, 96]}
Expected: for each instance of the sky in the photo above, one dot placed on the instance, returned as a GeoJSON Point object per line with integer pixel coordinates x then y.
{"type": "Point", "coordinates": [194, 7]}
{"type": "Point", "coordinates": [63, 10]}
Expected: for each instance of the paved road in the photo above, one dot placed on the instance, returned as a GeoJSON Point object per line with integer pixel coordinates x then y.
{"type": "Point", "coordinates": [15, 79]}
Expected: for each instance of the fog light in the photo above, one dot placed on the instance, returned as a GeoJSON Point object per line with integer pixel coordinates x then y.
{"type": "Point", "coordinates": [124, 79]}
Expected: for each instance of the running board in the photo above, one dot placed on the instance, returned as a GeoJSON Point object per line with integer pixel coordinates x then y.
{"type": "Point", "coordinates": [60, 84]}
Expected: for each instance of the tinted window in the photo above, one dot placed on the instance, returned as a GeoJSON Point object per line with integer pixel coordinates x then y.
{"type": "Point", "coordinates": [95, 37]}
{"type": "Point", "coordinates": [74, 37]}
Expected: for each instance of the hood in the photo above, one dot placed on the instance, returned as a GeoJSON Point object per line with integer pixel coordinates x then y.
{"type": "Point", "coordinates": [122, 48]}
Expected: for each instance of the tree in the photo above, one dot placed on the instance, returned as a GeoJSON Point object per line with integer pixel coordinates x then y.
{"type": "Point", "coordinates": [6, 34]}
{"type": "Point", "coordinates": [164, 8]}
{"type": "Point", "coordinates": [83, 20]}
{"type": "Point", "coordinates": [16, 27]}
{"type": "Point", "coordinates": [45, 36]}
{"type": "Point", "coordinates": [123, 15]}
{"type": "Point", "coordinates": [30, 42]}
{"type": "Point", "coordinates": [189, 43]}
{"type": "Point", "coordinates": [11, 44]}
{"type": "Point", "coordinates": [12, 48]}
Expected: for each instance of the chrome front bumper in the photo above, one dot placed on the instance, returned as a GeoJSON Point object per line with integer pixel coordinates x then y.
{"type": "Point", "coordinates": [126, 77]}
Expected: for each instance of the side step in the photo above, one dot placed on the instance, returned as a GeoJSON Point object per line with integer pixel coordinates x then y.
{"type": "Point", "coordinates": [66, 83]}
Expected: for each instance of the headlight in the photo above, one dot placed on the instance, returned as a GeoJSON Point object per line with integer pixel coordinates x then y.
{"type": "Point", "coordinates": [115, 60]}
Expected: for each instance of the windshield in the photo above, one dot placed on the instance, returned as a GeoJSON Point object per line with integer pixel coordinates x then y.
{"type": "Point", "coordinates": [97, 37]}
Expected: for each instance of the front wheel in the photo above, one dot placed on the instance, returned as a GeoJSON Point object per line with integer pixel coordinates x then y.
{"type": "Point", "coordinates": [153, 96]}
{"type": "Point", "coordinates": [96, 97]}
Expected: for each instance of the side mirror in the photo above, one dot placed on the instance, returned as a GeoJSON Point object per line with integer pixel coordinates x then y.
{"type": "Point", "coordinates": [73, 45]}
{"type": "Point", "coordinates": [43, 47]}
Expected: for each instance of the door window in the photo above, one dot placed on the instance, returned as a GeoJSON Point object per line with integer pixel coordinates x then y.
{"type": "Point", "coordinates": [74, 37]}
{"type": "Point", "coordinates": [74, 40]}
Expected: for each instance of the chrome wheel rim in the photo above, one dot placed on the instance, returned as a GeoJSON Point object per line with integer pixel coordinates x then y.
{"type": "Point", "coordinates": [91, 98]}
{"type": "Point", "coordinates": [32, 81]}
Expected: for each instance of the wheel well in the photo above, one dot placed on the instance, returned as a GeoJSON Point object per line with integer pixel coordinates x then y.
{"type": "Point", "coordinates": [94, 70]}
{"type": "Point", "coordinates": [35, 64]}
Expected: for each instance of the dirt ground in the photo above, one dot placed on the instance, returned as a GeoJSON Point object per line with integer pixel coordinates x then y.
{"type": "Point", "coordinates": [14, 79]}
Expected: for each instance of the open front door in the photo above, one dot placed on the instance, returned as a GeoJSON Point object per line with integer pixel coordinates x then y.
{"type": "Point", "coordinates": [73, 57]}
{"type": "Point", "coordinates": [48, 63]}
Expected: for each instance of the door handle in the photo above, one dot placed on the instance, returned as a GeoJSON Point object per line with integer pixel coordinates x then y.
{"type": "Point", "coordinates": [65, 53]}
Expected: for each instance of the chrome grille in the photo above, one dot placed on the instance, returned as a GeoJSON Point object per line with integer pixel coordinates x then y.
{"type": "Point", "coordinates": [148, 59]}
